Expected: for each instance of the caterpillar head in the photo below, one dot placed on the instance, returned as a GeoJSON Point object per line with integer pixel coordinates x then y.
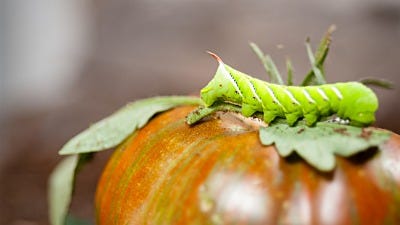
{"type": "Point", "coordinates": [362, 110]}
{"type": "Point", "coordinates": [362, 119]}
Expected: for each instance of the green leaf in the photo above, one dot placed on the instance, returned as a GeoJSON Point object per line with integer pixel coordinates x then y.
{"type": "Point", "coordinates": [318, 145]}
{"type": "Point", "coordinates": [111, 131]}
{"type": "Point", "coordinates": [60, 189]}
{"type": "Point", "coordinates": [61, 185]}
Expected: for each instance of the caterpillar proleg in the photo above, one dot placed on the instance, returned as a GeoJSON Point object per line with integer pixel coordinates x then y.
{"type": "Point", "coordinates": [351, 101]}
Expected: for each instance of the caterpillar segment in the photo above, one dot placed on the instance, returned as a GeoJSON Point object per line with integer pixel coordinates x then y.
{"type": "Point", "coordinates": [271, 106]}
{"type": "Point", "coordinates": [350, 101]}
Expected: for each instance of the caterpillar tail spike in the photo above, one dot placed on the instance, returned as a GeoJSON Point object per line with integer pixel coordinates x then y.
{"type": "Point", "coordinates": [215, 56]}
{"type": "Point", "coordinates": [350, 101]}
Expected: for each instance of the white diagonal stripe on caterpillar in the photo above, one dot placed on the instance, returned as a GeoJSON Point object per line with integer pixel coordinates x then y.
{"type": "Point", "coordinates": [272, 94]}
{"type": "Point", "coordinates": [230, 78]}
{"type": "Point", "coordinates": [337, 92]}
{"type": "Point", "coordinates": [291, 96]}
{"type": "Point", "coordinates": [253, 91]}
{"type": "Point", "coordinates": [322, 93]}
{"type": "Point", "coordinates": [308, 96]}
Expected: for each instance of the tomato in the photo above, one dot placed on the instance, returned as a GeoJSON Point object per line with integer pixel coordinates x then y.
{"type": "Point", "coordinates": [217, 172]}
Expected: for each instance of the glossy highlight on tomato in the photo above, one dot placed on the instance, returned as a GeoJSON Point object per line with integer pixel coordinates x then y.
{"type": "Point", "coordinates": [217, 172]}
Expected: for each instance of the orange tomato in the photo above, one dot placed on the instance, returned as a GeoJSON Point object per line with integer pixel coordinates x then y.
{"type": "Point", "coordinates": [217, 172]}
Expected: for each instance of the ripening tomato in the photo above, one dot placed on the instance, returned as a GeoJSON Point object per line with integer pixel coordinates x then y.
{"type": "Point", "coordinates": [217, 172]}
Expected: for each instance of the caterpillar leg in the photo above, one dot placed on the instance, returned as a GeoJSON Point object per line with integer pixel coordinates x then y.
{"type": "Point", "coordinates": [291, 118]}
{"type": "Point", "coordinates": [311, 119]}
{"type": "Point", "coordinates": [269, 116]}
{"type": "Point", "coordinates": [247, 110]}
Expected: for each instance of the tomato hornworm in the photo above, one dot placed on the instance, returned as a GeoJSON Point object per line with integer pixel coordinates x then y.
{"type": "Point", "coordinates": [351, 101]}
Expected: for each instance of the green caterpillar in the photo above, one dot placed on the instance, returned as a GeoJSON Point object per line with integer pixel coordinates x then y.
{"type": "Point", "coordinates": [351, 101]}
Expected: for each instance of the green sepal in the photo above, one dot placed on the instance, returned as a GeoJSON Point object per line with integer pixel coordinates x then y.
{"type": "Point", "coordinates": [61, 185]}
{"type": "Point", "coordinates": [289, 68]}
{"type": "Point", "coordinates": [320, 56]}
{"type": "Point", "coordinates": [72, 220]}
{"type": "Point", "coordinates": [318, 145]}
{"type": "Point", "coordinates": [269, 65]}
{"type": "Point", "coordinates": [381, 83]}
{"type": "Point", "coordinates": [318, 74]}
{"type": "Point", "coordinates": [202, 112]}
{"type": "Point", "coordinates": [111, 131]}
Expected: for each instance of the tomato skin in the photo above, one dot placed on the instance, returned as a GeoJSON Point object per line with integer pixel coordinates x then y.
{"type": "Point", "coordinates": [217, 172]}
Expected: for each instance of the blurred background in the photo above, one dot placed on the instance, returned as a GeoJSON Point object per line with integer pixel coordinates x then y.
{"type": "Point", "coordinates": [67, 63]}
